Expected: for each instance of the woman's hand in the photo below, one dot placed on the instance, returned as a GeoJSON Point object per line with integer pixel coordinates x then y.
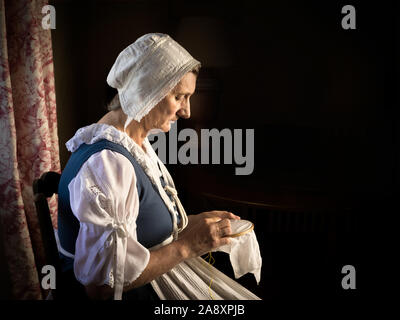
{"type": "Point", "coordinates": [206, 231]}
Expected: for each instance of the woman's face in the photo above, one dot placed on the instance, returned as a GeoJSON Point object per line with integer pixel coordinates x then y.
{"type": "Point", "coordinates": [175, 105]}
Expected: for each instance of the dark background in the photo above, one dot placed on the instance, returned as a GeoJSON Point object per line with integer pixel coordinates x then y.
{"type": "Point", "coordinates": [320, 99]}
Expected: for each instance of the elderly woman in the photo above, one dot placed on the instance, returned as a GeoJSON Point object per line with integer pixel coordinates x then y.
{"type": "Point", "coordinates": [119, 214]}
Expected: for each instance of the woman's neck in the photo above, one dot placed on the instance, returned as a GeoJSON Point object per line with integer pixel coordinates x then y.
{"type": "Point", "coordinates": [135, 129]}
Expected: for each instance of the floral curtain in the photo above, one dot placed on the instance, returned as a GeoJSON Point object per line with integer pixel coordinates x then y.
{"type": "Point", "coordinates": [28, 138]}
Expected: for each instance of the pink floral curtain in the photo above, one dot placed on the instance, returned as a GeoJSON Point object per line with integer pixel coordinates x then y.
{"type": "Point", "coordinates": [28, 138]}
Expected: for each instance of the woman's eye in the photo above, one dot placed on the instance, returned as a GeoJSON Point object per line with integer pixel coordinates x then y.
{"type": "Point", "coordinates": [178, 98]}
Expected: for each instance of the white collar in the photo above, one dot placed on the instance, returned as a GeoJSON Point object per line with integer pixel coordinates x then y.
{"type": "Point", "coordinates": [98, 131]}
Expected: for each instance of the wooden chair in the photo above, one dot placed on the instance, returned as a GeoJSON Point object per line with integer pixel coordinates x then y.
{"type": "Point", "coordinates": [45, 187]}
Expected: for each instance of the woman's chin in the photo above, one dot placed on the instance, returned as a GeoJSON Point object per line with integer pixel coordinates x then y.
{"type": "Point", "coordinates": [165, 128]}
{"type": "Point", "coordinates": [168, 126]}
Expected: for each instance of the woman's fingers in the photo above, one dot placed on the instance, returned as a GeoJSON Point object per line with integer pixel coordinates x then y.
{"type": "Point", "coordinates": [222, 214]}
{"type": "Point", "coordinates": [224, 227]}
{"type": "Point", "coordinates": [224, 241]}
{"type": "Point", "coordinates": [226, 215]}
{"type": "Point", "coordinates": [219, 231]}
{"type": "Point", "coordinates": [208, 230]}
{"type": "Point", "coordinates": [217, 224]}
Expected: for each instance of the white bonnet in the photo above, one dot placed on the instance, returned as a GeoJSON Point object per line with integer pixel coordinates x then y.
{"type": "Point", "coordinates": [146, 71]}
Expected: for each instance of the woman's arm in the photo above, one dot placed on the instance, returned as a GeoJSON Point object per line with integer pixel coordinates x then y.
{"type": "Point", "coordinates": [204, 232]}
{"type": "Point", "coordinates": [161, 261]}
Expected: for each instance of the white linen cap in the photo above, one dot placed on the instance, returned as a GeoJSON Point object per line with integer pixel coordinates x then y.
{"type": "Point", "coordinates": [146, 71]}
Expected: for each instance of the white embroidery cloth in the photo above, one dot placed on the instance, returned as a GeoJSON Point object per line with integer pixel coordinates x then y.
{"type": "Point", "coordinates": [146, 71]}
{"type": "Point", "coordinates": [244, 251]}
{"type": "Point", "coordinates": [105, 201]}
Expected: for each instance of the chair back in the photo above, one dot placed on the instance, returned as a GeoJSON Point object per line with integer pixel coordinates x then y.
{"type": "Point", "coordinates": [45, 187]}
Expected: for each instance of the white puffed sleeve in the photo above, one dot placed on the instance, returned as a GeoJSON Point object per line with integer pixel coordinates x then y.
{"type": "Point", "coordinates": [104, 198]}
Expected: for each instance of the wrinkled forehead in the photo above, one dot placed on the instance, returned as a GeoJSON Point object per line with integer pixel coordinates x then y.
{"type": "Point", "coordinates": [187, 85]}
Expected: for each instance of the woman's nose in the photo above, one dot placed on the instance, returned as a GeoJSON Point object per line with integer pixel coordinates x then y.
{"type": "Point", "coordinates": [185, 111]}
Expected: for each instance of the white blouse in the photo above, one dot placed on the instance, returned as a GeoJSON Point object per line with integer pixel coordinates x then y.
{"type": "Point", "coordinates": [104, 198]}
